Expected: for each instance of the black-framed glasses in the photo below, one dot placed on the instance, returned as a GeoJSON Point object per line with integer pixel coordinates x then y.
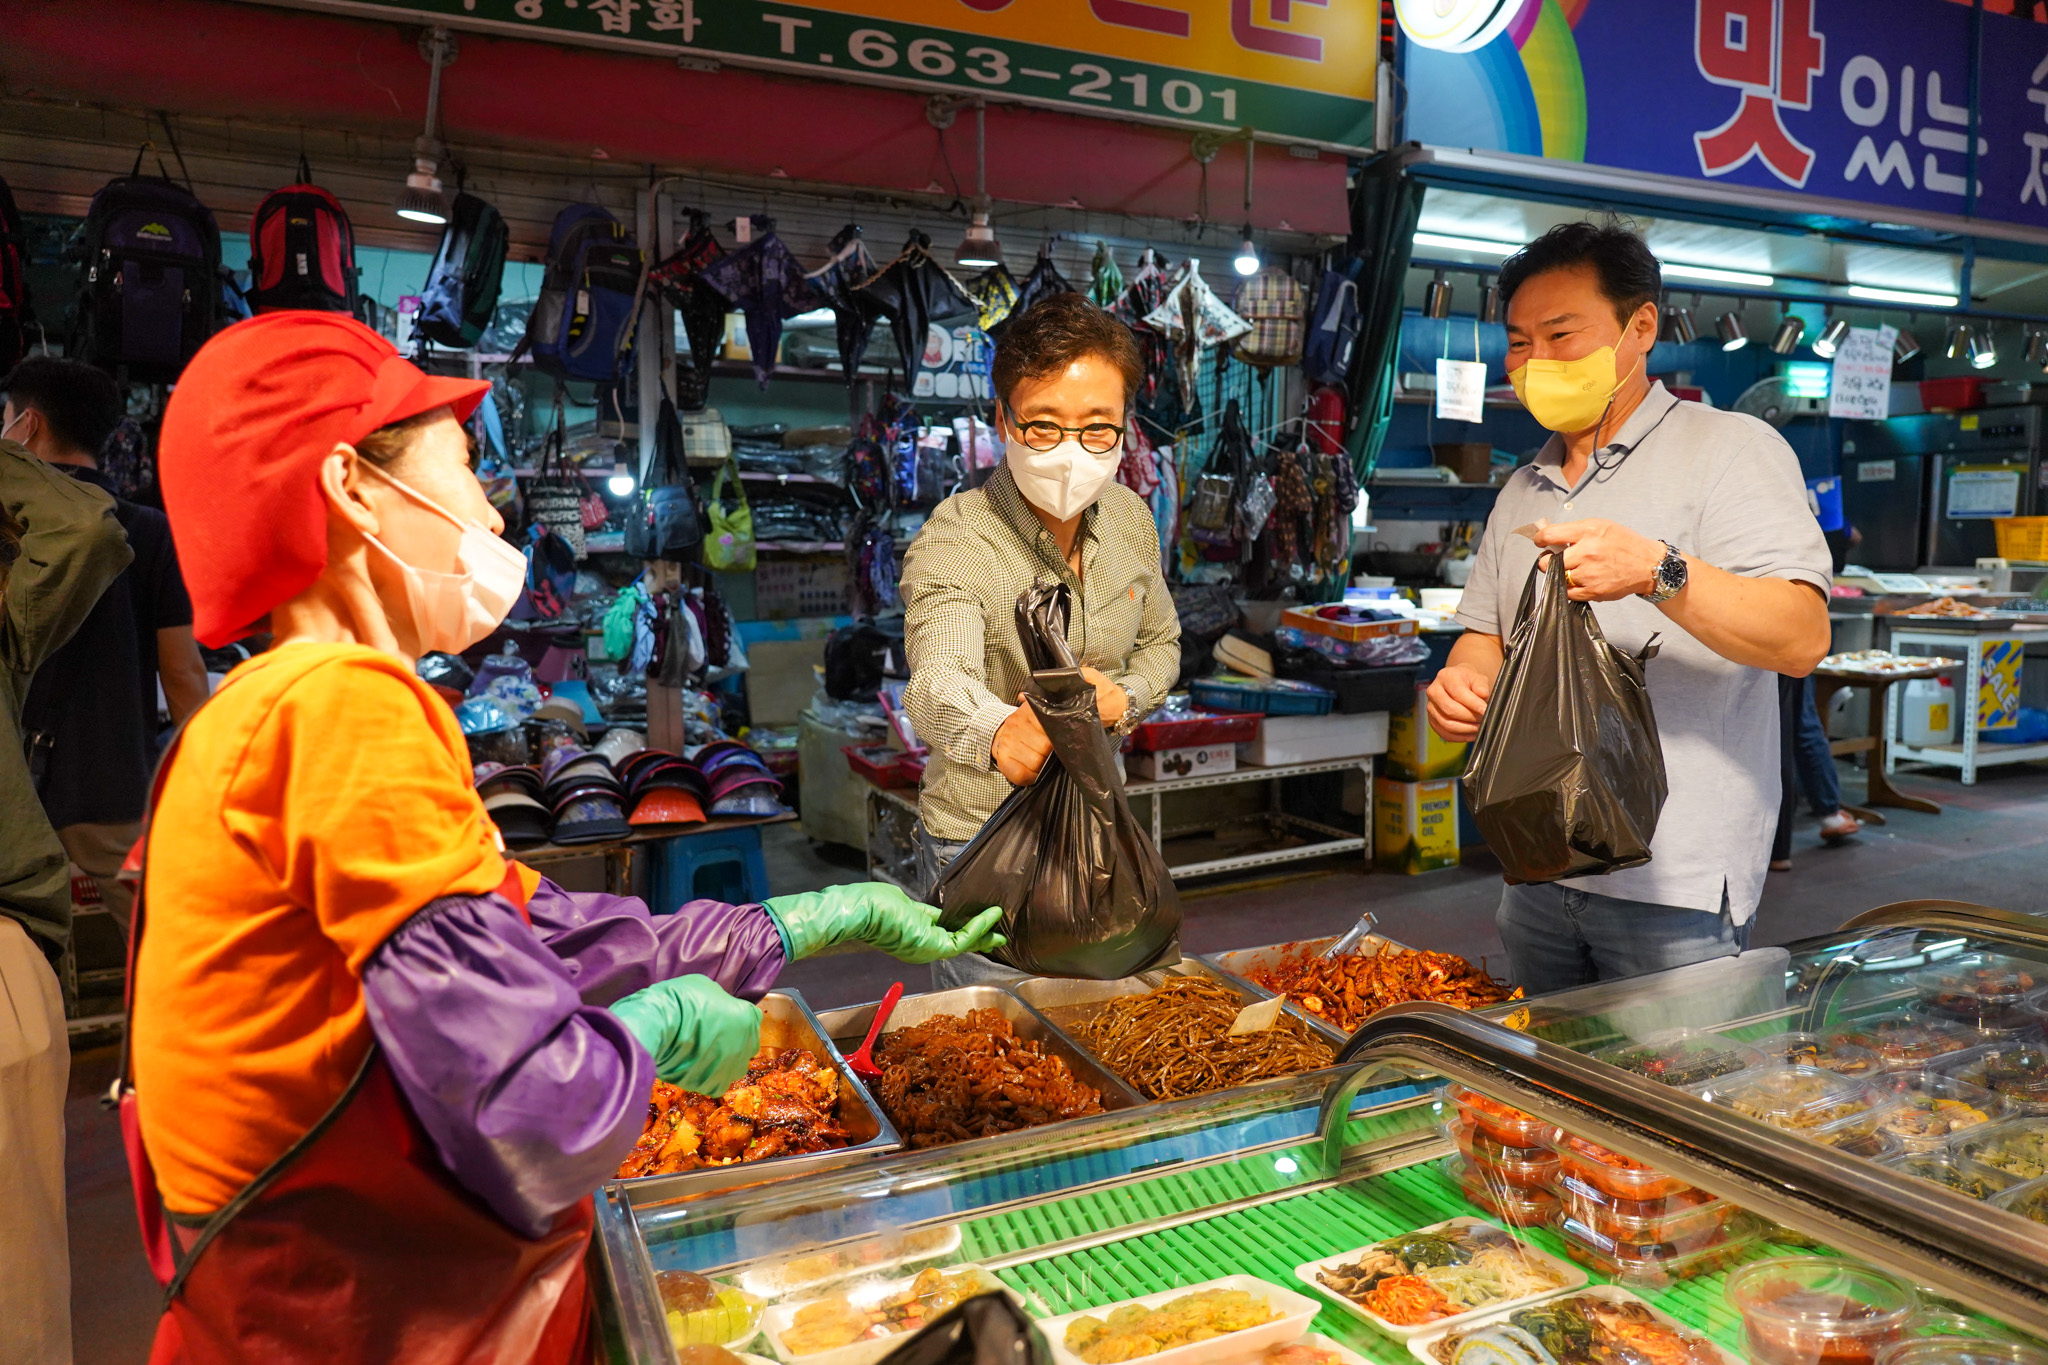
{"type": "Point", "coordinates": [1097, 438]}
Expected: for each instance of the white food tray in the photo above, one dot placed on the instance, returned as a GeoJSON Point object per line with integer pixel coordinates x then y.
{"type": "Point", "coordinates": [1419, 1345]}
{"type": "Point", "coordinates": [785, 1276]}
{"type": "Point", "coordinates": [1336, 1348]}
{"type": "Point", "coordinates": [777, 1319]}
{"type": "Point", "coordinates": [1296, 1311]}
{"type": "Point", "coordinates": [1570, 1278]}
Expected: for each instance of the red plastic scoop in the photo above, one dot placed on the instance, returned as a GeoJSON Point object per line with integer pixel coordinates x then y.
{"type": "Point", "coordinates": [862, 1062]}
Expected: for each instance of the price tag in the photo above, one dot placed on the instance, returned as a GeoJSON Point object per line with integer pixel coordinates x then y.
{"type": "Point", "coordinates": [1460, 390]}
{"type": "Point", "coordinates": [1861, 386]}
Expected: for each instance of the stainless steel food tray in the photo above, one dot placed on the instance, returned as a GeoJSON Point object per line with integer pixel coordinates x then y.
{"type": "Point", "coordinates": [786, 1021]}
{"type": "Point", "coordinates": [1236, 964]}
{"type": "Point", "coordinates": [847, 1027]}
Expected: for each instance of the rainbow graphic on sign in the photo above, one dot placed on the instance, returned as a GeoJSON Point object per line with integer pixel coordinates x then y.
{"type": "Point", "coordinates": [1522, 92]}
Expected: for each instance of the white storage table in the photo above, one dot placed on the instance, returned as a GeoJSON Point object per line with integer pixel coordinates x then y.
{"type": "Point", "coordinates": [1960, 635]}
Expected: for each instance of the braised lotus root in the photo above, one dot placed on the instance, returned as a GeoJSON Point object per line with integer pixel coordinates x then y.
{"type": "Point", "coordinates": [952, 1078]}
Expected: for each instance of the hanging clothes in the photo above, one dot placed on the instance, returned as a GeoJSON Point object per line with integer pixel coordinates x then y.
{"type": "Point", "coordinates": [766, 283]}
{"type": "Point", "coordinates": [996, 291]}
{"type": "Point", "coordinates": [702, 308]}
{"type": "Point", "coordinates": [1043, 282]}
{"type": "Point", "coordinates": [1193, 319]}
{"type": "Point", "coordinates": [1106, 282]}
{"type": "Point", "coordinates": [1162, 409]}
{"type": "Point", "coordinates": [914, 291]}
{"type": "Point", "coordinates": [835, 282]}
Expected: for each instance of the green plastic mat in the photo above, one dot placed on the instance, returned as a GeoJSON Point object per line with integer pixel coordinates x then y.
{"type": "Point", "coordinates": [1268, 1241]}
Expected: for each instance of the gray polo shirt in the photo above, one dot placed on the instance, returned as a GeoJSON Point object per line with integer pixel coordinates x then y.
{"type": "Point", "coordinates": [1724, 488]}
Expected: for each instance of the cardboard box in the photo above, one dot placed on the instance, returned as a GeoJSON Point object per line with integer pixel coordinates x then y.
{"type": "Point", "coordinates": [1311, 739]}
{"type": "Point", "coordinates": [1351, 632]}
{"type": "Point", "coordinates": [1165, 765]}
{"type": "Point", "coordinates": [1472, 460]}
{"type": "Point", "coordinates": [1417, 753]}
{"type": "Point", "coordinates": [1415, 825]}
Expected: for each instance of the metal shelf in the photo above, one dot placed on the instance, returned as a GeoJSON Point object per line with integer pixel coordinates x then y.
{"type": "Point", "coordinates": [1337, 840]}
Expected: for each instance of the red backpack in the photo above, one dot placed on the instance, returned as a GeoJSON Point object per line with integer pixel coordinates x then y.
{"type": "Point", "coordinates": [302, 250]}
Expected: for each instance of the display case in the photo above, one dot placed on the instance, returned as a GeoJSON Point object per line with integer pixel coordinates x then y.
{"type": "Point", "coordinates": [1695, 1228]}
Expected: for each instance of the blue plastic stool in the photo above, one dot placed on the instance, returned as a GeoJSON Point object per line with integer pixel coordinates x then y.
{"type": "Point", "coordinates": [720, 865]}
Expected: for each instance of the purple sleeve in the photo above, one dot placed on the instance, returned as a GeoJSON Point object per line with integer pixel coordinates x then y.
{"type": "Point", "coordinates": [612, 946]}
{"type": "Point", "coordinates": [531, 1096]}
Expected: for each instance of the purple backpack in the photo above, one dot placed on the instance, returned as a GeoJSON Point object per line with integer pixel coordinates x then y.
{"type": "Point", "coordinates": [149, 288]}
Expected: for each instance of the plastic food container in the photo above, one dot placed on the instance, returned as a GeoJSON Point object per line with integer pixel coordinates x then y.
{"type": "Point", "coordinates": [1819, 1310]}
{"type": "Point", "coordinates": [867, 1297]}
{"type": "Point", "coordinates": [1863, 1134]}
{"type": "Point", "coordinates": [1613, 1173]}
{"type": "Point", "coordinates": [1568, 1278]}
{"type": "Point", "coordinates": [1507, 1126]}
{"type": "Point", "coordinates": [2017, 1147]}
{"type": "Point", "coordinates": [1811, 1049]}
{"type": "Point", "coordinates": [1799, 1099]}
{"type": "Point", "coordinates": [2016, 1070]}
{"type": "Point", "coordinates": [1512, 1204]}
{"type": "Point", "coordinates": [1982, 990]}
{"type": "Point", "coordinates": [1294, 1313]}
{"type": "Point", "coordinates": [1682, 1057]}
{"type": "Point", "coordinates": [1687, 1221]}
{"type": "Point", "coordinates": [2029, 1201]}
{"type": "Point", "coordinates": [1931, 1108]}
{"type": "Point", "coordinates": [1907, 1040]}
{"type": "Point", "coordinates": [1528, 1168]}
{"type": "Point", "coordinates": [1657, 1265]}
{"type": "Point", "coordinates": [1960, 1350]}
{"type": "Point", "coordinates": [1944, 1168]}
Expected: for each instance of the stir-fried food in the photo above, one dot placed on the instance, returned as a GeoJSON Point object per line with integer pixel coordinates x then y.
{"type": "Point", "coordinates": [1348, 990]}
{"type": "Point", "coordinates": [787, 1104]}
{"type": "Point", "coordinates": [952, 1078]}
{"type": "Point", "coordinates": [1174, 1041]}
{"type": "Point", "coordinates": [1135, 1330]}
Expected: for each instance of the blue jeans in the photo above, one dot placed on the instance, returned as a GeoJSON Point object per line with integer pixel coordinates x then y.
{"type": "Point", "coordinates": [1559, 937]}
{"type": "Point", "coordinates": [1811, 755]}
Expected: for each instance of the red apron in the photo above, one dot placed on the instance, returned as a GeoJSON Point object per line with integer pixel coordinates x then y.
{"type": "Point", "coordinates": [355, 1246]}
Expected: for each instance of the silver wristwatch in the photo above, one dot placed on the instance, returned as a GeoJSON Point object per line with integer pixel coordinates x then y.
{"type": "Point", "coordinates": [1669, 580]}
{"type": "Point", "coordinates": [1131, 719]}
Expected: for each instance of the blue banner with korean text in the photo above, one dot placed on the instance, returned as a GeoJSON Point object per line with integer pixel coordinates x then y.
{"type": "Point", "coordinates": [1864, 100]}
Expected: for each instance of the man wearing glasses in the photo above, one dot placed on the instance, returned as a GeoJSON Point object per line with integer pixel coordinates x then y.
{"type": "Point", "coordinates": [1064, 376]}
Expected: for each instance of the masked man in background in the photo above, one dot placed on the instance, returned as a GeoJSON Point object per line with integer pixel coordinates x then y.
{"type": "Point", "coordinates": [1064, 374]}
{"type": "Point", "coordinates": [1677, 521]}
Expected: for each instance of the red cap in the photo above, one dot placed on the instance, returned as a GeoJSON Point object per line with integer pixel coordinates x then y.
{"type": "Point", "coordinates": [248, 423]}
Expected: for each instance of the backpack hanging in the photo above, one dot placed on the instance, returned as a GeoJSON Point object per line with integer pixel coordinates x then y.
{"type": "Point", "coordinates": [1271, 301]}
{"type": "Point", "coordinates": [149, 294]}
{"type": "Point", "coordinates": [1333, 327]}
{"type": "Point", "coordinates": [461, 292]}
{"type": "Point", "coordinates": [15, 312]}
{"type": "Point", "coordinates": [554, 498]}
{"type": "Point", "coordinates": [664, 522]}
{"type": "Point", "coordinates": [302, 250]}
{"type": "Point", "coordinates": [729, 540]}
{"type": "Point", "coordinates": [588, 295]}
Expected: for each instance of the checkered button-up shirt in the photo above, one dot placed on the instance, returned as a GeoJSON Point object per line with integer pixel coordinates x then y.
{"type": "Point", "coordinates": [961, 578]}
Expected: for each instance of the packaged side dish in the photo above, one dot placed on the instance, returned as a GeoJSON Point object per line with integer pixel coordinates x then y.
{"type": "Point", "coordinates": [1507, 1126]}
{"type": "Point", "coordinates": [1811, 1049]}
{"type": "Point", "coordinates": [2017, 1070]}
{"type": "Point", "coordinates": [1233, 1318]}
{"type": "Point", "coordinates": [2017, 1147]}
{"type": "Point", "coordinates": [1684, 1221]}
{"type": "Point", "coordinates": [1819, 1310]}
{"type": "Point", "coordinates": [1982, 990]}
{"type": "Point", "coordinates": [1529, 1168]}
{"type": "Point", "coordinates": [1515, 1205]}
{"type": "Point", "coordinates": [2029, 1201]}
{"type": "Point", "coordinates": [1682, 1057]}
{"type": "Point", "coordinates": [1441, 1275]}
{"type": "Point", "coordinates": [1601, 1323]}
{"type": "Point", "coordinates": [1655, 1265]}
{"type": "Point", "coordinates": [1931, 1108]}
{"type": "Point", "coordinates": [1796, 1098]}
{"type": "Point", "coordinates": [1610, 1171]}
{"type": "Point", "coordinates": [1907, 1040]}
{"type": "Point", "coordinates": [860, 1324]}
{"type": "Point", "coordinates": [1943, 1167]}
{"type": "Point", "coordinates": [1961, 1350]}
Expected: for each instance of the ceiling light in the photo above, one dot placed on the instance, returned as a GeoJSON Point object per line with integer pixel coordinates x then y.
{"type": "Point", "coordinates": [1959, 338]}
{"type": "Point", "coordinates": [1437, 302]}
{"type": "Point", "coordinates": [1904, 347]}
{"type": "Point", "coordinates": [1682, 329]}
{"type": "Point", "coordinates": [1830, 339]}
{"type": "Point", "coordinates": [1489, 300]}
{"type": "Point", "coordinates": [1790, 329]}
{"type": "Point", "coordinates": [1869, 291]}
{"type": "Point", "coordinates": [979, 249]}
{"type": "Point", "coordinates": [621, 481]}
{"type": "Point", "coordinates": [1983, 349]}
{"type": "Point", "coordinates": [1247, 260]}
{"type": "Point", "coordinates": [423, 200]}
{"type": "Point", "coordinates": [2036, 346]}
{"type": "Point", "coordinates": [1446, 242]}
{"type": "Point", "coordinates": [1730, 330]}
{"type": "Point", "coordinates": [1718, 275]}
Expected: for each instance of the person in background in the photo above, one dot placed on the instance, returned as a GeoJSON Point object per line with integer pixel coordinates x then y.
{"type": "Point", "coordinates": [1677, 522]}
{"type": "Point", "coordinates": [1064, 374]}
{"type": "Point", "coordinates": [1808, 763]}
{"type": "Point", "coordinates": [60, 547]}
{"type": "Point", "coordinates": [92, 712]}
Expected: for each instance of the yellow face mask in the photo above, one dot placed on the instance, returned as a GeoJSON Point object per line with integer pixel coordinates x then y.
{"type": "Point", "coordinates": [1569, 395]}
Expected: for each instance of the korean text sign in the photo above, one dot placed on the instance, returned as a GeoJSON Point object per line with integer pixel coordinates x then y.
{"type": "Point", "coordinates": [1291, 68]}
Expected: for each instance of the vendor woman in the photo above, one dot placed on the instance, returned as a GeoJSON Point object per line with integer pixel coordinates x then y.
{"type": "Point", "coordinates": [1065, 375]}
{"type": "Point", "coordinates": [378, 1068]}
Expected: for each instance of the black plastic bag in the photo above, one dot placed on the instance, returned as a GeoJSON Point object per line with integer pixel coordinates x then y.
{"type": "Point", "coordinates": [1084, 893]}
{"type": "Point", "coordinates": [985, 1330]}
{"type": "Point", "coordinates": [1566, 778]}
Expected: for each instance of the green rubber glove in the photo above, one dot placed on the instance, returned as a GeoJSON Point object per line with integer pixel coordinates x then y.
{"type": "Point", "coordinates": [700, 1038]}
{"type": "Point", "coordinates": [880, 915]}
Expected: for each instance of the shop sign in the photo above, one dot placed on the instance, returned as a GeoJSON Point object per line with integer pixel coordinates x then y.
{"type": "Point", "coordinates": [1866, 100]}
{"type": "Point", "coordinates": [1292, 69]}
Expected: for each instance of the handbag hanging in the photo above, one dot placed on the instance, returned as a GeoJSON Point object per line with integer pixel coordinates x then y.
{"type": "Point", "coordinates": [729, 543]}
{"type": "Point", "coordinates": [664, 522]}
{"type": "Point", "coordinates": [553, 498]}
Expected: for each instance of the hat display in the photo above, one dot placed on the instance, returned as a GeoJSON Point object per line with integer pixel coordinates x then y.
{"type": "Point", "coordinates": [679, 774]}
{"type": "Point", "coordinates": [667, 806]}
{"type": "Point", "coordinates": [618, 744]}
{"type": "Point", "coordinates": [521, 820]}
{"type": "Point", "coordinates": [734, 780]}
{"type": "Point", "coordinates": [589, 818]}
{"type": "Point", "coordinates": [248, 423]}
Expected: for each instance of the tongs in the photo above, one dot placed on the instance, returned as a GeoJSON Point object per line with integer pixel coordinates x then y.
{"type": "Point", "coordinates": [1352, 937]}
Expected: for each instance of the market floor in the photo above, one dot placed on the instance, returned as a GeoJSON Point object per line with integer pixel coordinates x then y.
{"type": "Point", "coordinates": [1989, 845]}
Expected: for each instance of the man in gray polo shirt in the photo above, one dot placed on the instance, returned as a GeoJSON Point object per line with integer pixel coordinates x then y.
{"type": "Point", "coordinates": [1676, 521]}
